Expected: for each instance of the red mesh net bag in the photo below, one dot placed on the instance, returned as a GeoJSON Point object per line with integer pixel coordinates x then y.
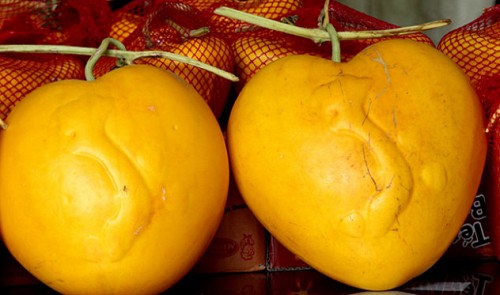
{"type": "Point", "coordinates": [255, 47]}
{"type": "Point", "coordinates": [475, 47]}
{"type": "Point", "coordinates": [64, 22]}
{"type": "Point", "coordinates": [179, 28]}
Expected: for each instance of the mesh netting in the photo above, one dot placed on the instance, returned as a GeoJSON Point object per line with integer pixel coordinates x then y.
{"type": "Point", "coordinates": [22, 73]}
{"type": "Point", "coordinates": [255, 47]}
{"type": "Point", "coordinates": [188, 27]}
{"type": "Point", "coordinates": [67, 22]}
{"type": "Point", "coordinates": [475, 47]}
{"type": "Point", "coordinates": [179, 28]}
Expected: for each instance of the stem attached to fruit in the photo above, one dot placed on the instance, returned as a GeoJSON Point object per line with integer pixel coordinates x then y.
{"type": "Point", "coordinates": [125, 56]}
{"type": "Point", "coordinates": [334, 38]}
{"type": "Point", "coordinates": [89, 67]}
{"type": "Point", "coordinates": [318, 35]}
{"type": "Point", "coordinates": [330, 29]}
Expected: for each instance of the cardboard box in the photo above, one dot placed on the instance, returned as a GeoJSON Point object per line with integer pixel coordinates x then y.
{"type": "Point", "coordinates": [279, 258]}
{"type": "Point", "coordinates": [243, 245]}
{"type": "Point", "coordinates": [473, 240]}
{"type": "Point", "coordinates": [240, 242]}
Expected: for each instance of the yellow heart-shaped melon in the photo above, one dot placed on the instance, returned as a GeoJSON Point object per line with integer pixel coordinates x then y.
{"type": "Point", "coordinates": [366, 169]}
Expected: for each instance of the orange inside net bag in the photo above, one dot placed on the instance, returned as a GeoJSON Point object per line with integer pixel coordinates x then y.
{"type": "Point", "coordinates": [475, 47]}
{"type": "Point", "coordinates": [255, 47]}
{"type": "Point", "coordinates": [63, 22]}
{"type": "Point", "coordinates": [180, 28]}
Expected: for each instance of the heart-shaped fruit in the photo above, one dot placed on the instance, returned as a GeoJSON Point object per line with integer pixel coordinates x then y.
{"type": "Point", "coordinates": [366, 169]}
{"type": "Point", "coordinates": [114, 186]}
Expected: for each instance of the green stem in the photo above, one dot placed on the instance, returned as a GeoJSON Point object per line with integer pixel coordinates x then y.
{"type": "Point", "coordinates": [318, 35]}
{"type": "Point", "coordinates": [89, 67]}
{"type": "Point", "coordinates": [124, 55]}
{"type": "Point", "coordinates": [335, 42]}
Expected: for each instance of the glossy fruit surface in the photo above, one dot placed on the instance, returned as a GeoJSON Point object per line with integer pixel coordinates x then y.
{"type": "Point", "coordinates": [207, 49]}
{"type": "Point", "coordinates": [114, 186]}
{"type": "Point", "coordinates": [366, 169]}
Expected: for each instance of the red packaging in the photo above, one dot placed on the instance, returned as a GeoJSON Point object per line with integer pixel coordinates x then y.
{"type": "Point", "coordinates": [475, 47]}
{"type": "Point", "coordinates": [474, 238]}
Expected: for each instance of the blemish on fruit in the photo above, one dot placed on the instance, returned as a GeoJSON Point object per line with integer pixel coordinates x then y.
{"type": "Point", "coordinates": [434, 176]}
{"type": "Point", "coordinates": [138, 230]}
{"type": "Point", "coordinates": [163, 193]}
{"type": "Point", "coordinates": [381, 61]}
{"type": "Point", "coordinates": [70, 133]}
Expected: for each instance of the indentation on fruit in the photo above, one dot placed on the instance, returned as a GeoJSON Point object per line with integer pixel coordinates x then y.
{"type": "Point", "coordinates": [124, 209]}
{"type": "Point", "coordinates": [104, 193]}
{"type": "Point", "coordinates": [385, 165]}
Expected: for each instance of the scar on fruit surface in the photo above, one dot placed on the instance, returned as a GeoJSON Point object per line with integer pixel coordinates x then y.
{"type": "Point", "coordinates": [393, 189]}
{"type": "Point", "coordinates": [123, 201]}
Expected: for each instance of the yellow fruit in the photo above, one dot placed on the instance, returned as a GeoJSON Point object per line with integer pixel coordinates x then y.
{"type": "Point", "coordinates": [207, 49]}
{"type": "Point", "coordinates": [366, 169]}
{"type": "Point", "coordinates": [112, 186]}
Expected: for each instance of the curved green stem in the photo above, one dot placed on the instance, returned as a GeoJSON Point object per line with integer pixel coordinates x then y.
{"type": "Point", "coordinates": [124, 55]}
{"type": "Point", "coordinates": [319, 35]}
{"type": "Point", "coordinates": [335, 42]}
{"type": "Point", "coordinates": [89, 67]}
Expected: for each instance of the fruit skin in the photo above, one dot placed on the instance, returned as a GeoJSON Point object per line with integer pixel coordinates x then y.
{"type": "Point", "coordinates": [112, 186]}
{"type": "Point", "coordinates": [182, 35]}
{"type": "Point", "coordinates": [367, 169]}
{"type": "Point", "coordinates": [207, 49]}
